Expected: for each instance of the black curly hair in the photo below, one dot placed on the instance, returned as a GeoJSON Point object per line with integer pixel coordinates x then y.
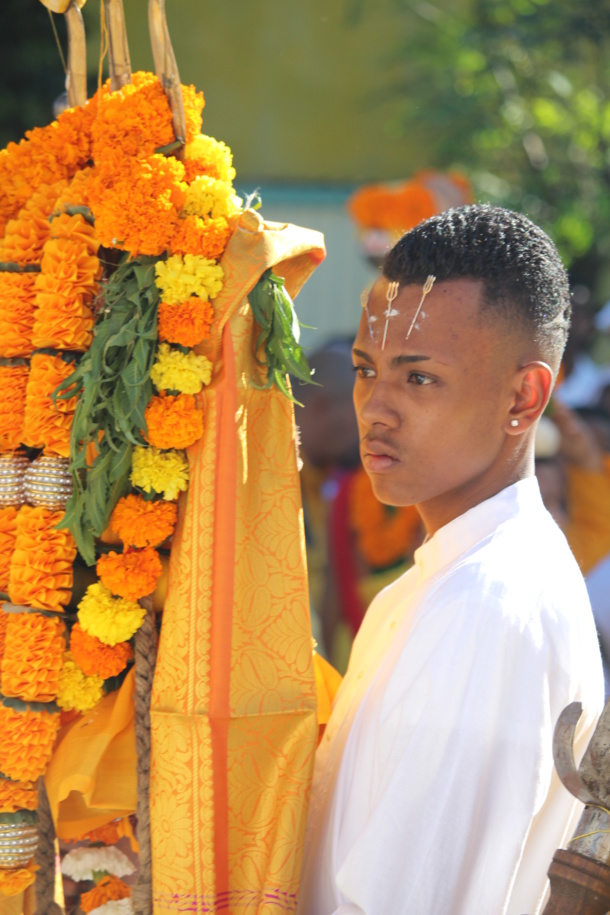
{"type": "Point", "coordinates": [523, 277]}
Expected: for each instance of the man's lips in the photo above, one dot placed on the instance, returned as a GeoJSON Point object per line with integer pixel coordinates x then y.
{"type": "Point", "coordinates": [377, 456]}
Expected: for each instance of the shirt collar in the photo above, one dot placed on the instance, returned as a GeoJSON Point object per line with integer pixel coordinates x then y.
{"type": "Point", "coordinates": [456, 538]}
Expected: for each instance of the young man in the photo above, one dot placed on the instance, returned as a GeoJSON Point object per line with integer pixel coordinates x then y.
{"type": "Point", "coordinates": [434, 791]}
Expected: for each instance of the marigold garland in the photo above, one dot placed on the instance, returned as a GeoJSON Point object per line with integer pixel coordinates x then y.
{"type": "Point", "coordinates": [108, 889]}
{"type": "Point", "coordinates": [185, 323]}
{"type": "Point", "coordinates": [162, 472]}
{"type": "Point", "coordinates": [17, 308]}
{"type": "Point", "coordinates": [136, 202]}
{"type": "Point", "coordinates": [16, 880]}
{"type": "Point", "coordinates": [205, 237]}
{"type": "Point", "coordinates": [94, 657]}
{"type": "Point", "coordinates": [132, 574]}
{"type": "Point", "coordinates": [207, 196]}
{"type": "Point", "coordinates": [27, 742]}
{"type": "Point", "coordinates": [3, 626]}
{"type": "Point", "coordinates": [13, 383]}
{"type": "Point", "coordinates": [110, 619]}
{"type": "Point", "coordinates": [25, 235]}
{"type": "Point", "coordinates": [77, 691]}
{"type": "Point", "coordinates": [174, 370]}
{"type": "Point", "coordinates": [397, 209]}
{"type": "Point", "coordinates": [16, 796]}
{"type": "Point", "coordinates": [173, 421]}
{"type": "Point", "coordinates": [141, 523]}
{"type": "Point", "coordinates": [180, 277]}
{"type": "Point", "coordinates": [41, 571]}
{"type": "Point", "coordinates": [33, 656]}
{"type": "Point", "coordinates": [48, 425]}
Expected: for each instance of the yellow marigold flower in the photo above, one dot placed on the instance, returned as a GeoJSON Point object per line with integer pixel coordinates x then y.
{"type": "Point", "coordinates": [182, 276]}
{"type": "Point", "coordinates": [163, 472]}
{"type": "Point", "coordinates": [210, 197]}
{"type": "Point", "coordinates": [177, 371]}
{"type": "Point", "coordinates": [110, 619]}
{"type": "Point", "coordinates": [77, 691]}
{"type": "Point", "coordinates": [209, 157]}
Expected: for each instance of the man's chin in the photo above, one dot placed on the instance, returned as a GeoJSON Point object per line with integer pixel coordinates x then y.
{"type": "Point", "coordinates": [391, 494]}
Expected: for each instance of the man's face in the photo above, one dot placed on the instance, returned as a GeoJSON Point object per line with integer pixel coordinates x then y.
{"type": "Point", "coordinates": [432, 408]}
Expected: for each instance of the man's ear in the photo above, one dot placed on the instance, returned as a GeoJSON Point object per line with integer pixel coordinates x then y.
{"type": "Point", "coordinates": [533, 384]}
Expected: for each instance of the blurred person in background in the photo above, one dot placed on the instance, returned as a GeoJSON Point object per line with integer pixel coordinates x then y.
{"type": "Point", "coordinates": [355, 544]}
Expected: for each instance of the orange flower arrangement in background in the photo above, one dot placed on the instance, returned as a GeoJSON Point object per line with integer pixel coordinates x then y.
{"type": "Point", "coordinates": [47, 582]}
{"type": "Point", "coordinates": [379, 206]}
{"type": "Point", "coordinates": [27, 742]}
{"type": "Point", "coordinates": [173, 421]}
{"type": "Point", "coordinates": [384, 535]}
{"type": "Point", "coordinates": [17, 796]}
{"type": "Point", "coordinates": [94, 657]}
{"type": "Point", "coordinates": [132, 574]}
{"type": "Point", "coordinates": [47, 425]}
{"type": "Point", "coordinates": [141, 523]}
{"type": "Point", "coordinates": [187, 323]}
{"type": "Point", "coordinates": [33, 655]}
{"type": "Point", "coordinates": [13, 384]}
{"type": "Point", "coordinates": [108, 889]}
{"type": "Point", "coordinates": [17, 306]}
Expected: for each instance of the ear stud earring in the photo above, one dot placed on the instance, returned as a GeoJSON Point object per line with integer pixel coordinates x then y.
{"type": "Point", "coordinates": [514, 422]}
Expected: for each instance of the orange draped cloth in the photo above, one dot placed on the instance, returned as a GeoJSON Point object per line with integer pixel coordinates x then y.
{"type": "Point", "coordinates": [233, 712]}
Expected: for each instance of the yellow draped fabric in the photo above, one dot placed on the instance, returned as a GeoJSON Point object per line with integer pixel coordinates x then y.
{"type": "Point", "coordinates": [233, 712]}
{"type": "Point", "coordinates": [92, 777]}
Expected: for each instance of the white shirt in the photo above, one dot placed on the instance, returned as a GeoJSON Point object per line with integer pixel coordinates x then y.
{"type": "Point", "coordinates": [434, 790]}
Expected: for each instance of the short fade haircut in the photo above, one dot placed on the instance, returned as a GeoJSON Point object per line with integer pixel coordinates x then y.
{"type": "Point", "coordinates": [523, 277]}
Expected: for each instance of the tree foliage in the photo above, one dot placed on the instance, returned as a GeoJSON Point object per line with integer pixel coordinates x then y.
{"type": "Point", "coordinates": [518, 93]}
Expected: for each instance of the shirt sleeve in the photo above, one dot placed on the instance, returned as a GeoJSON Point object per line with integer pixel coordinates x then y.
{"type": "Point", "coordinates": [454, 753]}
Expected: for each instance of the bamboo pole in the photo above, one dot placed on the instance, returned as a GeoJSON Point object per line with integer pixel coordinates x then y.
{"type": "Point", "coordinates": [76, 79]}
{"type": "Point", "coordinates": [118, 47]}
{"type": "Point", "coordinates": [166, 66]}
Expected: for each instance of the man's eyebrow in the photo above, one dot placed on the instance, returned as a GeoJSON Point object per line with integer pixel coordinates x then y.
{"type": "Point", "coordinates": [396, 361]}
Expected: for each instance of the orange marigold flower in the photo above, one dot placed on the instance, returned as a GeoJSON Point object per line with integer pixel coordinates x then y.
{"type": "Point", "coordinates": [94, 657]}
{"type": "Point", "coordinates": [134, 120]}
{"type": "Point", "coordinates": [173, 421]}
{"type": "Point", "coordinates": [13, 383]}
{"type": "Point", "coordinates": [195, 235]}
{"type": "Point", "coordinates": [62, 322]}
{"type": "Point", "coordinates": [16, 880]}
{"type": "Point", "coordinates": [141, 523]}
{"type": "Point", "coordinates": [17, 796]}
{"type": "Point", "coordinates": [76, 228]}
{"type": "Point", "coordinates": [76, 193]}
{"type": "Point", "coordinates": [136, 202]}
{"type": "Point", "coordinates": [132, 574]}
{"type": "Point", "coordinates": [187, 323]}
{"type": "Point", "coordinates": [47, 425]}
{"type": "Point", "coordinates": [26, 234]}
{"type": "Point", "coordinates": [8, 537]}
{"type": "Point", "coordinates": [67, 265]}
{"type": "Point", "coordinates": [17, 307]}
{"type": "Point", "coordinates": [41, 565]}
{"type": "Point", "coordinates": [33, 656]}
{"type": "Point", "coordinates": [27, 742]}
{"type": "Point", "coordinates": [3, 624]}
{"type": "Point", "coordinates": [108, 889]}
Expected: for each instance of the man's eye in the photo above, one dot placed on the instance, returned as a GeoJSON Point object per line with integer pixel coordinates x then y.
{"type": "Point", "coordinates": [364, 371]}
{"type": "Point", "coordinates": [419, 378]}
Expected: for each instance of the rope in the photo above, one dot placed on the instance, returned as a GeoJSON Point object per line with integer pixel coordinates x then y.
{"type": "Point", "coordinates": [146, 654]}
{"type": "Point", "coordinates": [103, 49]}
{"type": "Point", "coordinates": [58, 42]}
{"type": "Point", "coordinates": [44, 885]}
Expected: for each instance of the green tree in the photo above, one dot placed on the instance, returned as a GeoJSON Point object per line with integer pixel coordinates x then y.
{"type": "Point", "coordinates": [518, 93]}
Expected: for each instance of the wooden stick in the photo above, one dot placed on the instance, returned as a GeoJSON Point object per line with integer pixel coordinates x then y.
{"type": "Point", "coordinates": [76, 79]}
{"type": "Point", "coordinates": [166, 66]}
{"type": "Point", "coordinates": [118, 48]}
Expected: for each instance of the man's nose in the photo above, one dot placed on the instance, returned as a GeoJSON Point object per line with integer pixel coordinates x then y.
{"type": "Point", "coordinates": [378, 407]}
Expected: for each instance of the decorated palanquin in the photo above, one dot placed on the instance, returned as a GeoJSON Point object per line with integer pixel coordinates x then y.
{"type": "Point", "coordinates": [149, 482]}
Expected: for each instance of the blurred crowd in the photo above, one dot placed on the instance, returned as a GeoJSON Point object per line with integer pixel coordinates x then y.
{"type": "Point", "coordinates": [356, 545]}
